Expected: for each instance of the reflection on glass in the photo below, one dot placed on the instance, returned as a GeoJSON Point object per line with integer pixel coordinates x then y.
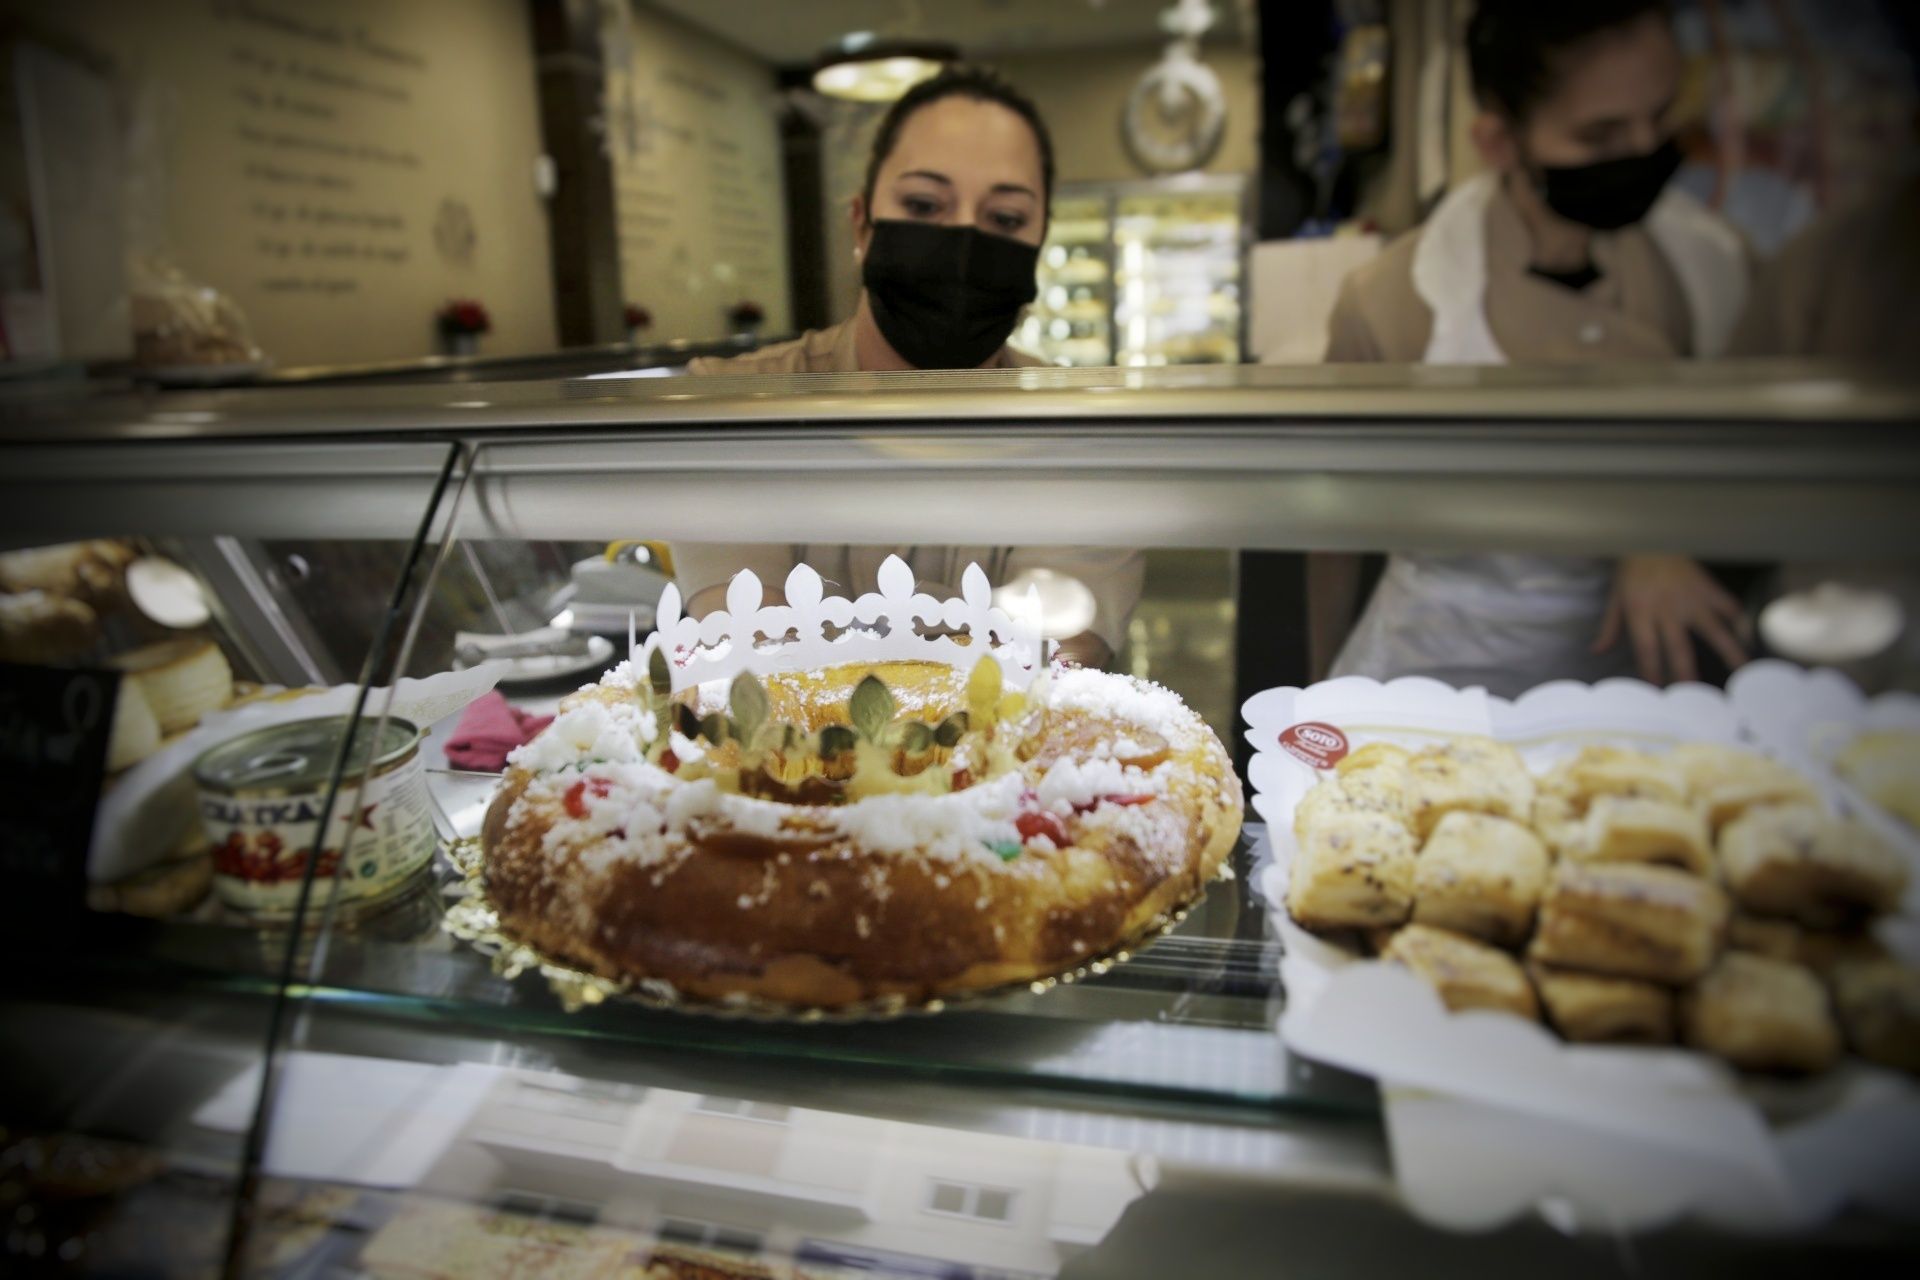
{"type": "Point", "coordinates": [1140, 274]}
{"type": "Point", "coordinates": [1178, 280]}
{"type": "Point", "coordinates": [469, 1170]}
{"type": "Point", "coordinates": [1071, 321]}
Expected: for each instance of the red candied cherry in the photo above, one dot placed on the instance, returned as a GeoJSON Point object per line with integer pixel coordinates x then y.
{"type": "Point", "coordinates": [576, 797]}
{"type": "Point", "coordinates": [1037, 823]}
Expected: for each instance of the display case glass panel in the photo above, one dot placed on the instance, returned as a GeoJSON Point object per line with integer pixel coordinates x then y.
{"type": "Point", "coordinates": [151, 914]}
{"type": "Point", "coordinates": [423, 1100]}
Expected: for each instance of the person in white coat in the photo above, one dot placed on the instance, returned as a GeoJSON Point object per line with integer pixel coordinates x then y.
{"type": "Point", "coordinates": [1570, 247]}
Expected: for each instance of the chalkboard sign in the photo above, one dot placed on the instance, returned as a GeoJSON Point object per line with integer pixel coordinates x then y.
{"type": "Point", "coordinates": [54, 726]}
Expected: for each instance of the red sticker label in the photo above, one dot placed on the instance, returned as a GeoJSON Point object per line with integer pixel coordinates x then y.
{"type": "Point", "coordinates": [1320, 746]}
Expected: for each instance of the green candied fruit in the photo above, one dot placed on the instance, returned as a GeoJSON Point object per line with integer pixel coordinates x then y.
{"type": "Point", "coordinates": [1007, 849]}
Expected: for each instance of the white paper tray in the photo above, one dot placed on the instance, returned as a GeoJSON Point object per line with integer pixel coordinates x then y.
{"type": "Point", "coordinates": [1491, 1116]}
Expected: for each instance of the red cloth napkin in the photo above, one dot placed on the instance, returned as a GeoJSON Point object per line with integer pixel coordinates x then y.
{"type": "Point", "coordinates": [488, 730]}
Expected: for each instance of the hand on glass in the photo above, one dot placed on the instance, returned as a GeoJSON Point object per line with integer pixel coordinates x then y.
{"type": "Point", "coordinates": [1661, 603]}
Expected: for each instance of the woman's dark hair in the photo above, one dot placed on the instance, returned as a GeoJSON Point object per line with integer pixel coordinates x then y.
{"type": "Point", "coordinates": [959, 80]}
{"type": "Point", "coordinates": [1514, 47]}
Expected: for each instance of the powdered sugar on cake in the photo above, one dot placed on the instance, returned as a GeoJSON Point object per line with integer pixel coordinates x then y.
{"type": "Point", "coordinates": [600, 799]}
{"type": "Point", "coordinates": [1127, 700]}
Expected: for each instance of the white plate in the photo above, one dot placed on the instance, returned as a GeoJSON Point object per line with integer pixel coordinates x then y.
{"type": "Point", "coordinates": [552, 666]}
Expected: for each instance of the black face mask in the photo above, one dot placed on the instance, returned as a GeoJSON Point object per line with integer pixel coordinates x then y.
{"type": "Point", "coordinates": [946, 297]}
{"type": "Point", "coordinates": [1611, 194]}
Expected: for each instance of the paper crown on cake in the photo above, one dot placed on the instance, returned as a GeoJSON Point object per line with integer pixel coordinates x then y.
{"type": "Point", "coordinates": [813, 630]}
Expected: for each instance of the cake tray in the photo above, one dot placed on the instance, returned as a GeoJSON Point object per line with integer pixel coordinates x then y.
{"type": "Point", "coordinates": [471, 918]}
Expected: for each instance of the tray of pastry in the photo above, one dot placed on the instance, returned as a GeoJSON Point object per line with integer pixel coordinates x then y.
{"type": "Point", "coordinates": [1613, 906]}
{"type": "Point", "coordinates": [1867, 747]}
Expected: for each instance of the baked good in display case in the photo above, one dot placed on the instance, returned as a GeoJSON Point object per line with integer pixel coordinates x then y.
{"type": "Point", "coordinates": [1465, 973]}
{"type": "Point", "coordinates": [36, 627]}
{"type": "Point", "coordinates": [1630, 922]}
{"type": "Point", "coordinates": [1482, 876]}
{"type": "Point", "coordinates": [867, 823]}
{"type": "Point", "coordinates": [1594, 1009]}
{"type": "Point", "coordinates": [1878, 1001]}
{"type": "Point", "coordinates": [1761, 1014]}
{"type": "Point", "coordinates": [1885, 765]}
{"type": "Point", "coordinates": [182, 679]}
{"type": "Point", "coordinates": [1355, 871]}
{"type": "Point", "coordinates": [1798, 862]}
{"type": "Point", "coordinates": [1645, 889]}
{"type": "Point", "coordinates": [1665, 967]}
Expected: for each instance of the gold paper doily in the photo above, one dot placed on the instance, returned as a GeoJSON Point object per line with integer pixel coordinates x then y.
{"type": "Point", "coordinates": [473, 920]}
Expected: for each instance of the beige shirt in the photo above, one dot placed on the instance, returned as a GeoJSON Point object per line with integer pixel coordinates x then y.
{"type": "Point", "coordinates": [1634, 311]}
{"type": "Point", "coordinates": [1115, 575]}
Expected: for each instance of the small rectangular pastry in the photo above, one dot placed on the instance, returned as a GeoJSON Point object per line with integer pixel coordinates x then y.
{"type": "Point", "coordinates": [1621, 828]}
{"type": "Point", "coordinates": [1362, 793]}
{"type": "Point", "coordinates": [1480, 875]}
{"type": "Point", "coordinates": [1592, 1009]}
{"type": "Point", "coordinates": [1724, 782]}
{"type": "Point", "coordinates": [1885, 766]}
{"type": "Point", "coordinates": [1375, 778]}
{"type": "Point", "coordinates": [1324, 798]}
{"type": "Point", "coordinates": [1879, 1006]}
{"type": "Point", "coordinates": [1775, 939]}
{"type": "Point", "coordinates": [1474, 774]}
{"type": "Point", "coordinates": [1467, 974]}
{"type": "Point", "coordinates": [1373, 755]}
{"type": "Point", "coordinates": [1761, 1015]}
{"type": "Point", "coordinates": [1824, 950]}
{"type": "Point", "coordinates": [1616, 771]}
{"type": "Point", "coordinates": [1630, 920]}
{"type": "Point", "coordinates": [1794, 860]}
{"type": "Point", "coordinates": [1354, 871]}
{"type": "Point", "coordinates": [1560, 820]}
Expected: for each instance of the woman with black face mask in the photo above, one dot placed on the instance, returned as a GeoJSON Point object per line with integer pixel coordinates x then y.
{"type": "Point", "coordinates": [947, 232]}
{"type": "Point", "coordinates": [1571, 247]}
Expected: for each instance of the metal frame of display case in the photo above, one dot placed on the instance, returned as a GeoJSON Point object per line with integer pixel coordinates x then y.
{"type": "Point", "coordinates": [1804, 461]}
{"type": "Point", "coordinates": [1714, 462]}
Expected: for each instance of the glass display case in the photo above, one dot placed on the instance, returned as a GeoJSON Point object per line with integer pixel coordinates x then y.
{"type": "Point", "coordinates": [1071, 320]}
{"type": "Point", "coordinates": [158, 575]}
{"type": "Point", "coordinates": [1140, 274]}
{"type": "Point", "coordinates": [336, 1083]}
{"type": "Point", "coordinates": [1179, 256]}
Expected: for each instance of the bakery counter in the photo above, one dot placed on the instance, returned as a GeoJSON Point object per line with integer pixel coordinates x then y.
{"type": "Point", "coordinates": [396, 1083]}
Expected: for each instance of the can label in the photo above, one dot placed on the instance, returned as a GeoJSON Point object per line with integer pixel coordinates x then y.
{"type": "Point", "coordinates": [262, 843]}
{"type": "Point", "coordinates": [1320, 746]}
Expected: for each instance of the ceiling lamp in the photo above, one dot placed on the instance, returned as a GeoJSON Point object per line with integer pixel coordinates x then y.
{"type": "Point", "coordinates": [865, 68]}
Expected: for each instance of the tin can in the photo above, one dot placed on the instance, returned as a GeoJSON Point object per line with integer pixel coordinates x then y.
{"type": "Point", "coordinates": [260, 798]}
